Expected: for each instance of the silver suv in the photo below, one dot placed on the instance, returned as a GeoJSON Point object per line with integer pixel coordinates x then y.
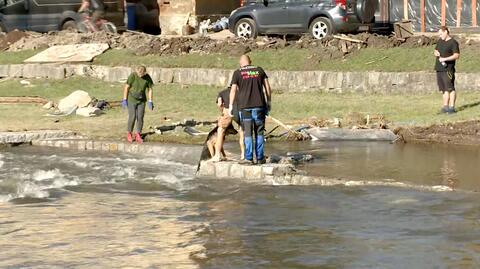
{"type": "Point", "coordinates": [317, 17]}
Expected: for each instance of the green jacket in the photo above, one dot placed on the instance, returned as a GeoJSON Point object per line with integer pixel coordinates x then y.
{"type": "Point", "coordinates": [137, 93]}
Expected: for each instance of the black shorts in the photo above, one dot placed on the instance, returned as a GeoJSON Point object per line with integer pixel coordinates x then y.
{"type": "Point", "coordinates": [446, 81]}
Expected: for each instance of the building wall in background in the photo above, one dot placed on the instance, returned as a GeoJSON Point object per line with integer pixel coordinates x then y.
{"type": "Point", "coordinates": [428, 15]}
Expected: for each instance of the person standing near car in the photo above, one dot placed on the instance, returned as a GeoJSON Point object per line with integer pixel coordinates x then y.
{"type": "Point", "coordinates": [252, 93]}
{"type": "Point", "coordinates": [446, 52]}
{"type": "Point", "coordinates": [139, 86]}
{"type": "Point", "coordinates": [96, 6]}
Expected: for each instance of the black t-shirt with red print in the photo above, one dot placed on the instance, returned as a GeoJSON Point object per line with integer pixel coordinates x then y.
{"type": "Point", "coordinates": [250, 81]}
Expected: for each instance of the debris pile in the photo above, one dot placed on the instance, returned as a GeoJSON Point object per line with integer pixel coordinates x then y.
{"type": "Point", "coordinates": [79, 103]}
{"type": "Point", "coordinates": [144, 44]}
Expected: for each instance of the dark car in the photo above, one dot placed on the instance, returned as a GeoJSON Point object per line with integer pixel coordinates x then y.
{"type": "Point", "coordinates": [49, 15]}
{"type": "Point", "coordinates": [317, 17]}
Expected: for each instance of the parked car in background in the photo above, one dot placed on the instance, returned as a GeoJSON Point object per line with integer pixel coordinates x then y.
{"type": "Point", "coordinates": [50, 15]}
{"type": "Point", "coordinates": [317, 17]}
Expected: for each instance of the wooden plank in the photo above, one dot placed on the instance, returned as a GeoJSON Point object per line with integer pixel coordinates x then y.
{"type": "Point", "coordinates": [405, 9]}
{"type": "Point", "coordinates": [474, 13]}
{"type": "Point", "coordinates": [422, 15]}
{"type": "Point", "coordinates": [444, 12]}
{"type": "Point", "coordinates": [459, 12]}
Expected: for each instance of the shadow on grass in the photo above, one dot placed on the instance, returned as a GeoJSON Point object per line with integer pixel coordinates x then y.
{"type": "Point", "coordinates": [467, 106]}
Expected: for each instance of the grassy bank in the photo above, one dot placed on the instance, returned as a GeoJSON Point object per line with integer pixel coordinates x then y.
{"type": "Point", "coordinates": [177, 103]}
{"type": "Point", "coordinates": [388, 60]}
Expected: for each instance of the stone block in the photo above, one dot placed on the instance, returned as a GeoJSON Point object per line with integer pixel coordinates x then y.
{"type": "Point", "coordinates": [222, 169]}
{"type": "Point", "coordinates": [89, 145]}
{"type": "Point", "coordinates": [269, 169]}
{"type": "Point", "coordinates": [97, 145]}
{"type": "Point", "coordinates": [121, 147]}
{"type": "Point", "coordinates": [113, 147]}
{"type": "Point", "coordinates": [55, 72]}
{"type": "Point", "coordinates": [253, 171]}
{"type": "Point", "coordinates": [81, 145]}
{"type": "Point", "coordinates": [207, 169]}
{"type": "Point", "coordinates": [4, 70]}
{"type": "Point", "coordinates": [15, 70]}
{"type": "Point", "coordinates": [237, 171]}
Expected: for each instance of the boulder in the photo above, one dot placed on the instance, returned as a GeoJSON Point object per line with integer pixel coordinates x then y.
{"type": "Point", "coordinates": [76, 99]}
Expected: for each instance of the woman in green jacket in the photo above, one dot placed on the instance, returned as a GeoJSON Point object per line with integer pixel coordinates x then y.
{"type": "Point", "coordinates": [137, 93]}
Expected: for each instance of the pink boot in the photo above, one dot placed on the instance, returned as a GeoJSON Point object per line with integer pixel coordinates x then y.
{"type": "Point", "coordinates": [129, 137]}
{"type": "Point", "coordinates": [138, 138]}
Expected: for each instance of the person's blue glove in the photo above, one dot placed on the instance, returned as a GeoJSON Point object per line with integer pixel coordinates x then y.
{"type": "Point", "coordinates": [150, 105]}
{"type": "Point", "coordinates": [124, 103]}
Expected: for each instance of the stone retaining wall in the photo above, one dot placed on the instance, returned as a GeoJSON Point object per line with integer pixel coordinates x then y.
{"type": "Point", "coordinates": [29, 136]}
{"type": "Point", "coordinates": [291, 81]}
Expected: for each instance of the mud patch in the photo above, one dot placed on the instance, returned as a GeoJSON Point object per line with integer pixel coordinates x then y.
{"type": "Point", "coordinates": [141, 44]}
{"type": "Point", "coordinates": [461, 133]}
{"type": "Point", "coordinates": [6, 40]}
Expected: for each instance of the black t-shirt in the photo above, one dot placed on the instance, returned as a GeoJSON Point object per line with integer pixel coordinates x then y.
{"type": "Point", "coordinates": [250, 81]}
{"type": "Point", "coordinates": [446, 49]}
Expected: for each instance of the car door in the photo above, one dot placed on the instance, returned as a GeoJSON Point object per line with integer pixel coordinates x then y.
{"type": "Point", "coordinates": [47, 15]}
{"type": "Point", "coordinates": [14, 15]}
{"type": "Point", "coordinates": [298, 12]}
{"type": "Point", "coordinates": [272, 17]}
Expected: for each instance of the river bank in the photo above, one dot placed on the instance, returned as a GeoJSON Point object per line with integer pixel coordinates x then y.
{"type": "Point", "coordinates": [175, 103]}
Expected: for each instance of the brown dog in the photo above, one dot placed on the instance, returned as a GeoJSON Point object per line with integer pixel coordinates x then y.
{"type": "Point", "coordinates": [209, 145]}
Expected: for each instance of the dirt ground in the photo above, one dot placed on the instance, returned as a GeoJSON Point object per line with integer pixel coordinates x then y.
{"type": "Point", "coordinates": [143, 44]}
{"type": "Point", "coordinates": [460, 133]}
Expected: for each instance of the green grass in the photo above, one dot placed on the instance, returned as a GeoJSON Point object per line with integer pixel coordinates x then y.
{"type": "Point", "coordinates": [8, 57]}
{"type": "Point", "coordinates": [177, 103]}
{"type": "Point", "coordinates": [388, 60]}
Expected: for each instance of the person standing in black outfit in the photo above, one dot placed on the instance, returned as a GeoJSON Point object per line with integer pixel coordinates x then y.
{"type": "Point", "coordinates": [252, 93]}
{"type": "Point", "coordinates": [446, 52]}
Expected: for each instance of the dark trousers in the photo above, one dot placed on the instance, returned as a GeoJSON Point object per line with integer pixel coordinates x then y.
{"type": "Point", "coordinates": [136, 113]}
{"type": "Point", "coordinates": [253, 124]}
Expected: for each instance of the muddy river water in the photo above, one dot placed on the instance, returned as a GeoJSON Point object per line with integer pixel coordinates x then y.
{"type": "Point", "coordinates": [65, 209]}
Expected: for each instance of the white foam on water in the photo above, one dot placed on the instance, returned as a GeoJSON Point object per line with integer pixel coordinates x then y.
{"type": "Point", "coordinates": [5, 198]}
{"type": "Point", "coordinates": [30, 189]}
{"type": "Point", "coordinates": [1, 160]}
{"type": "Point", "coordinates": [175, 182]}
{"type": "Point", "coordinates": [359, 183]}
{"type": "Point", "coordinates": [404, 201]}
{"type": "Point", "coordinates": [128, 172]}
{"type": "Point", "coordinates": [41, 175]}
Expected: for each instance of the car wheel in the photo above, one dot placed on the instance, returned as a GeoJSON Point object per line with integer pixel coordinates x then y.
{"type": "Point", "coordinates": [246, 28]}
{"type": "Point", "coordinates": [321, 27]}
{"type": "Point", "coordinates": [70, 26]}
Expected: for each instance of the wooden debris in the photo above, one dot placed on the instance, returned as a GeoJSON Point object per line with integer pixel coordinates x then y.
{"type": "Point", "coordinates": [346, 38]}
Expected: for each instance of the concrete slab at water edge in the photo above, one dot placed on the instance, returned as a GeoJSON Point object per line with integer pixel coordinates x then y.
{"type": "Point", "coordinates": [29, 136]}
{"type": "Point", "coordinates": [352, 134]}
{"type": "Point", "coordinates": [183, 153]}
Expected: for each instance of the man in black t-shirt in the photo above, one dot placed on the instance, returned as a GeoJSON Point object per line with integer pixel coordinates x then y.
{"type": "Point", "coordinates": [446, 52]}
{"type": "Point", "coordinates": [252, 93]}
{"type": "Point", "coordinates": [223, 103]}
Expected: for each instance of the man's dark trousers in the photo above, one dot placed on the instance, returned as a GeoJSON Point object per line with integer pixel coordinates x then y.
{"type": "Point", "coordinates": [253, 123]}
